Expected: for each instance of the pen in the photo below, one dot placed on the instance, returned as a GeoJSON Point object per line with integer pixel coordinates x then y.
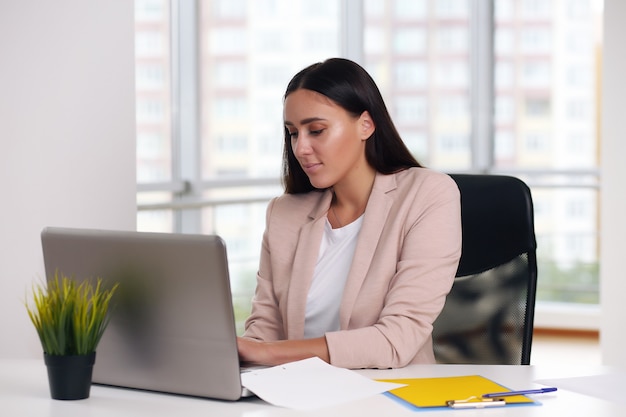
{"type": "Point", "coordinates": [486, 403]}
{"type": "Point", "coordinates": [523, 392]}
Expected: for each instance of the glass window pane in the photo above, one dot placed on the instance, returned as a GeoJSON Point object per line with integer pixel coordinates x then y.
{"type": "Point", "coordinates": [405, 9]}
{"type": "Point", "coordinates": [155, 220]}
{"type": "Point", "coordinates": [421, 63]}
{"type": "Point", "coordinates": [408, 41]}
{"type": "Point", "coordinates": [566, 228]}
{"type": "Point", "coordinates": [152, 69]}
{"type": "Point", "coordinates": [554, 89]}
{"type": "Point", "coordinates": [244, 72]}
{"type": "Point", "coordinates": [547, 70]}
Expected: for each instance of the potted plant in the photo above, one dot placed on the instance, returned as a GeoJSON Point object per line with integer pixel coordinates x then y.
{"type": "Point", "coordinates": [70, 318]}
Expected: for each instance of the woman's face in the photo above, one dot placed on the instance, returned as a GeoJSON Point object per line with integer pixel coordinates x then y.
{"type": "Point", "coordinates": [327, 141]}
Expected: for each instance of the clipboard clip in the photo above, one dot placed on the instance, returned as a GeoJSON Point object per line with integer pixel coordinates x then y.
{"type": "Point", "coordinates": [476, 402]}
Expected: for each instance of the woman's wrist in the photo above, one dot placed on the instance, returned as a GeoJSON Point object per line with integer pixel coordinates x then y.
{"type": "Point", "coordinates": [282, 351]}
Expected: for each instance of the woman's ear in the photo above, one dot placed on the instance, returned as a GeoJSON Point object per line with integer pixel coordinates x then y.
{"type": "Point", "coordinates": [366, 125]}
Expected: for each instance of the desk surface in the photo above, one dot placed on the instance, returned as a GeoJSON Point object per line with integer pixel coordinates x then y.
{"type": "Point", "coordinates": [24, 392]}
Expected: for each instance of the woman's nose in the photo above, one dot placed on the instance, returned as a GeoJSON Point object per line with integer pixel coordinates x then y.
{"type": "Point", "coordinates": [301, 146]}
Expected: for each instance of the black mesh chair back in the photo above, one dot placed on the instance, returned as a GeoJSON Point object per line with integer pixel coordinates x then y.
{"type": "Point", "coordinates": [488, 315]}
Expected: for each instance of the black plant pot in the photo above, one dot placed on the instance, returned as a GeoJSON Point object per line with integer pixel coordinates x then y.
{"type": "Point", "coordinates": [69, 376]}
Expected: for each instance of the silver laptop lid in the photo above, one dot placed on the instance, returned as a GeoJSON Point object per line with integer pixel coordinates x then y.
{"type": "Point", "coordinates": [172, 326]}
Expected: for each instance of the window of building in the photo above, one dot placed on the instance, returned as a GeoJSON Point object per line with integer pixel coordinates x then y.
{"type": "Point", "coordinates": [504, 74]}
{"type": "Point", "coordinates": [536, 74]}
{"type": "Point", "coordinates": [452, 39]}
{"type": "Point", "coordinates": [504, 109]}
{"type": "Point", "coordinates": [408, 41]}
{"type": "Point", "coordinates": [411, 74]}
{"type": "Point", "coordinates": [537, 107]}
{"type": "Point", "coordinates": [411, 110]}
{"type": "Point", "coordinates": [504, 146]}
{"type": "Point", "coordinates": [404, 9]}
{"type": "Point", "coordinates": [536, 40]}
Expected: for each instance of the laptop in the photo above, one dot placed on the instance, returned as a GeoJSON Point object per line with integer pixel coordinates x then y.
{"type": "Point", "coordinates": [172, 325]}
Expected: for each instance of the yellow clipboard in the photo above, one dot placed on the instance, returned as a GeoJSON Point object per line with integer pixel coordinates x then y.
{"type": "Point", "coordinates": [443, 391]}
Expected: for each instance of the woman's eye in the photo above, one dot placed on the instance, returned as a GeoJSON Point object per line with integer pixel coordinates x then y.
{"type": "Point", "coordinates": [316, 132]}
{"type": "Point", "coordinates": [293, 135]}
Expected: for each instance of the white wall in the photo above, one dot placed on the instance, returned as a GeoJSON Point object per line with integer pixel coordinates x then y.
{"type": "Point", "coordinates": [67, 137]}
{"type": "Point", "coordinates": [613, 200]}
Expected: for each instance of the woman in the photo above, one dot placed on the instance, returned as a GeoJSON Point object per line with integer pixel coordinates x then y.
{"type": "Point", "coordinates": [359, 253]}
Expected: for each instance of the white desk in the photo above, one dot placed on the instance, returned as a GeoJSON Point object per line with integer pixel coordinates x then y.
{"type": "Point", "coordinates": [24, 392]}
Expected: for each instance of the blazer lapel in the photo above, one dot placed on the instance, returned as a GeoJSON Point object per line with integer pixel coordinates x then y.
{"type": "Point", "coordinates": [304, 265]}
{"type": "Point", "coordinates": [376, 214]}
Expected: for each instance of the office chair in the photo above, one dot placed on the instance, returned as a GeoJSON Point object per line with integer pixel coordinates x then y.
{"type": "Point", "coordinates": [488, 315]}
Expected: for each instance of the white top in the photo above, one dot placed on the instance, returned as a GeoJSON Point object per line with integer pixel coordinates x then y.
{"type": "Point", "coordinates": [329, 279]}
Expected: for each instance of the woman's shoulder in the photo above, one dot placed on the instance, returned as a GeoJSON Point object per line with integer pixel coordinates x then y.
{"type": "Point", "coordinates": [299, 198]}
{"type": "Point", "coordinates": [296, 204]}
{"type": "Point", "coordinates": [424, 177]}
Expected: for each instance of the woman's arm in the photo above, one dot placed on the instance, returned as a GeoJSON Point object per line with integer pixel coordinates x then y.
{"type": "Point", "coordinates": [283, 351]}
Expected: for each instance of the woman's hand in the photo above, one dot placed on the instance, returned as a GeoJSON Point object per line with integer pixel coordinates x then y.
{"type": "Point", "coordinates": [252, 351]}
{"type": "Point", "coordinates": [255, 352]}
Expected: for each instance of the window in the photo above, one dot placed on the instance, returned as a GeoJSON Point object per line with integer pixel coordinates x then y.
{"type": "Point", "coordinates": [417, 143]}
{"type": "Point", "coordinates": [537, 142]}
{"type": "Point", "coordinates": [536, 9]}
{"type": "Point", "coordinates": [579, 75]}
{"type": "Point", "coordinates": [504, 146]}
{"type": "Point", "coordinates": [453, 144]}
{"type": "Point", "coordinates": [151, 77]}
{"type": "Point", "coordinates": [537, 107]}
{"type": "Point", "coordinates": [151, 10]}
{"type": "Point", "coordinates": [404, 9]}
{"type": "Point", "coordinates": [536, 40]}
{"type": "Point", "coordinates": [505, 41]}
{"type": "Point", "coordinates": [230, 74]}
{"type": "Point", "coordinates": [411, 110]}
{"type": "Point", "coordinates": [452, 8]}
{"type": "Point", "coordinates": [504, 10]}
{"type": "Point", "coordinates": [149, 43]}
{"type": "Point", "coordinates": [578, 109]}
{"type": "Point", "coordinates": [210, 80]}
{"type": "Point", "coordinates": [232, 144]}
{"type": "Point", "coordinates": [229, 9]}
{"type": "Point", "coordinates": [504, 109]}
{"type": "Point", "coordinates": [453, 107]}
{"type": "Point", "coordinates": [452, 74]}
{"type": "Point", "coordinates": [229, 109]}
{"type": "Point", "coordinates": [504, 74]}
{"type": "Point", "coordinates": [409, 41]}
{"type": "Point", "coordinates": [452, 39]}
{"type": "Point", "coordinates": [374, 40]}
{"type": "Point", "coordinates": [536, 74]}
{"type": "Point", "coordinates": [411, 74]}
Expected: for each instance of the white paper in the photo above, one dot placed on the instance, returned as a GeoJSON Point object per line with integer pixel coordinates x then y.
{"type": "Point", "coordinates": [608, 387]}
{"type": "Point", "coordinates": [311, 383]}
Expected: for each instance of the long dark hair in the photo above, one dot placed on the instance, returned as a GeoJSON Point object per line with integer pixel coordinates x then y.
{"type": "Point", "coordinates": [351, 87]}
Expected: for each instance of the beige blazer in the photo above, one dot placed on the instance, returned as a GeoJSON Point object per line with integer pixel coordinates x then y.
{"type": "Point", "coordinates": [404, 264]}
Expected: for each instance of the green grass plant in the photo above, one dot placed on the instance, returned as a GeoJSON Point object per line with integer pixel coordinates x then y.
{"type": "Point", "coordinates": [70, 317]}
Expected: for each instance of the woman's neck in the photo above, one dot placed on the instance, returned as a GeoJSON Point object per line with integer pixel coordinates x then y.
{"type": "Point", "coordinates": [350, 199]}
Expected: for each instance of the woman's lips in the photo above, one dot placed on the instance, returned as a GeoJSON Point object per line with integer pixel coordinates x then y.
{"type": "Point", "coordinates": [311, 167]}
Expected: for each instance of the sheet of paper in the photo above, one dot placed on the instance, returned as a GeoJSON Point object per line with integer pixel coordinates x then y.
{"type": "Point", "coordinates": [608, 387]}
{"type": "Point", "coordinates": [311, 384]}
